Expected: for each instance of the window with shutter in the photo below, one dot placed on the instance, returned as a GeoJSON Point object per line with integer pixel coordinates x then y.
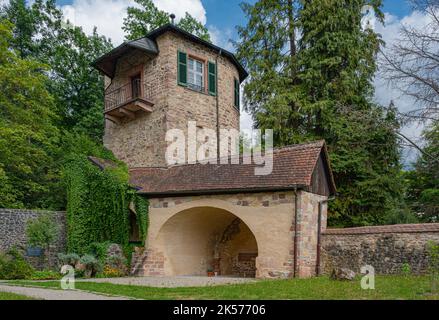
{"type": "Point", "coordinates": [195, 73]}
{"type": "Point", "coordinates": [212, 78]}
{"type": "Point", "coordinates": [182, 68]}
{"type": "Point", "coordinates": [237, 94]}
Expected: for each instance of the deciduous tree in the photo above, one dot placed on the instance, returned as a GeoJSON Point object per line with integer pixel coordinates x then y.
{"type": "Point", "coordinates": [146, 17]}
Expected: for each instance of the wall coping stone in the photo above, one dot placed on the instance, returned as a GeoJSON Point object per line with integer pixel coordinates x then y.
{"type": "Point", "coordinates": [28, 211]}
{"type": "Point", "coordinates": [401, 228]}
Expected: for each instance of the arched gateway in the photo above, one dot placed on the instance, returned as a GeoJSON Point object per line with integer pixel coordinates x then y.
{"type": "Point", "coordinates": [208, 239]}
{"type": "Point", "coordinates": [233, 236]}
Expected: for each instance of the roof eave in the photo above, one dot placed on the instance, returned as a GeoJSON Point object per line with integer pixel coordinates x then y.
{"type": "Point", "coordinates": [222, 191]}
{"type": "Point", "coordinates": [329, 168]}
{"type": "Point", "coordinates": [97, 64]}
{"type": "Point", "coordinates": [243, 74]}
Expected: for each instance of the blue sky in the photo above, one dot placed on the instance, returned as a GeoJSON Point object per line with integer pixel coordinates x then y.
{"type": "Point", "coordinates": [226, 14]}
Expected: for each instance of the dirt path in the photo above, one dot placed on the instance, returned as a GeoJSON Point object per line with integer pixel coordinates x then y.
{"type": "Point", "coordinates": [51, 294]}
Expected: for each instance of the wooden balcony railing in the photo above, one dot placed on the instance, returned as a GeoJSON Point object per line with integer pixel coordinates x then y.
{"type": "Point", "coordinates": [127, 100]}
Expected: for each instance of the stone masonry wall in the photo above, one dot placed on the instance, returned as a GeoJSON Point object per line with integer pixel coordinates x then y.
{"type": "Point", "coordinates": [141, 142]}
{"type": "Point", "coordinates": [308, 233]}
{"type": "Point", "coordinates": [13, 231]}
{"type": "Point", "coordinates": [386, 248]}
{"type": "Point", "coordinates": [263, 199]}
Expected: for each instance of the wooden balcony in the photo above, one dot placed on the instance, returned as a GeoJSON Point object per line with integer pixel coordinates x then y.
{"type": "Point", "coordinates": [128, 101]}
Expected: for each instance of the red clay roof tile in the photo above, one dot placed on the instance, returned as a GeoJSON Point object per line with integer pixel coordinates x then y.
{"type": "Point", "coordinates": [293, 166]}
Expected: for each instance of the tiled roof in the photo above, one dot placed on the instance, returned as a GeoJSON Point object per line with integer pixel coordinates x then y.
{"type": "Point", "coordinates": [243, 74]}
{"type": "Point", "coordinates": [399, 228]}
{"type": "Point", "coordinates": [292, 168]}
{"type": "Point", "coordinates": [106, 63]}
{"type": "Point", "coordinates": [102, 163]}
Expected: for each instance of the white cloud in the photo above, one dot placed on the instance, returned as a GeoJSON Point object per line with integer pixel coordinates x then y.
{"type": "Point", "coordinates": [108, 15]}
{"type": "Point", "coordinates": [221, 38]}
{"type": "Point", "coordinates": [180, 7]}
{"type": "Point", "coordinates": [3, 2]}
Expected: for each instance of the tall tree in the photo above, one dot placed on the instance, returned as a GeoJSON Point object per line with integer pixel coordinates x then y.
{"type": "Point", "coordinates": [27, 134]}
{"type": "Point", "coordinates": [41, 33]}
{"type": "Point", "coordinates": [321, 88]}
{"type": "Point", "coordinates": [146, 17]}
{"type": "Point", "coordinates": [24, 22]}
{"type": "Point", "coordinates": [424, 180]}
{"type": "Point", "coordinates": [268, 49]}
{"type": "Point", "coordinates": [74, 92]}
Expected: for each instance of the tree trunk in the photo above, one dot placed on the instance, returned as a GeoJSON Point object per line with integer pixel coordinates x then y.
{"type": "Point", "coordinates": [293, 54]}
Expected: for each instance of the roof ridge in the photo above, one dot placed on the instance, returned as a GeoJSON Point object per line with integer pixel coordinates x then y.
{"type": "Point", "coordinates": [314, 144]}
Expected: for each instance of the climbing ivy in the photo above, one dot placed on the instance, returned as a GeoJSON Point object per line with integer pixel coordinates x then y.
{"type": "Point", "coordinates": [98, 204]}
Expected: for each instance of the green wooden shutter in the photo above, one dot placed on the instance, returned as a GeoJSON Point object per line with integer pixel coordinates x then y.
{"type": "Point", "coordinates": [237, 97]}
{"type": "Point", "coordinates": [182, 68]}
{"type": "Point", "coordinates": [212, 78]}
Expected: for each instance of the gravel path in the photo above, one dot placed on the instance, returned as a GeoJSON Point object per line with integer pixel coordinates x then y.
{"type": "Point", "coordinates": [50, 294]}
{"type": "Point", "coordinates": [174, 282]}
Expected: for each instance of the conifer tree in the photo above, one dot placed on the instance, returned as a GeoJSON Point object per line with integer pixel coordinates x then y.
{"type": "Point", "coordinates": [311, 69]}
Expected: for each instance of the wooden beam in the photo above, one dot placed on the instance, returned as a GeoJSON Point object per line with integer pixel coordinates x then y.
{"type": "Point", "coordinates": [112, 119]}
{"type": "Point", "coordinates": [128, 113]}
{"type": "Point", "coordinates": [143, 106]}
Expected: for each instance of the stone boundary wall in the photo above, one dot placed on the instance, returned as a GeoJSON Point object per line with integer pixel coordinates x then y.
{"type": "Point", "coordinates": [386, 248]}
{"type": "Point", "coordinates": [13, 231]}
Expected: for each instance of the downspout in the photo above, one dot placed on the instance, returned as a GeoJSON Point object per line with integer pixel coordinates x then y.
{"type": "Point", "coordinates": [218, 146]}
{"type": "Point", "coordinates": [296, 237]}
{"type": "Point", "coordinates": [319, 234]}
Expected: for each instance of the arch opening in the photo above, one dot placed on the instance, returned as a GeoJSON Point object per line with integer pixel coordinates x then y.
{"type": "Point", "coordinates": [206, 240]}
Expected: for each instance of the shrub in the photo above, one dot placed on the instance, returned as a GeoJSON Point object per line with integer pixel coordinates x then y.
{"type": "Point", "coordinates": [91, 265]}
{"type": "Point", "coordinates": [42, 232]}
{"type": "Point", "coordinates": [13, 266]}
{"type": "Point", "coordinates": [406, 269]}
{"type": "Point", "coordinates": [45, 275]}
{"type": "Point", "coordinates": [71, 259]}
{"type": "Point", "coordinates": [119, 262]}
{"type": "Point", "coordinates": [110, 272]}
{"type": "Point", "coordinates": [116, 266]}
{"type": "Point", "coordinates": [99, 250]}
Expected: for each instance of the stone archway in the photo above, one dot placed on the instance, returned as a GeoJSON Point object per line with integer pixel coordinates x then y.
{"type": "Point", "coordinates": [201, 239]}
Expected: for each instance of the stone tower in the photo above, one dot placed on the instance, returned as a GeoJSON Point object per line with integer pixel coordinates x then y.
{"type": "Point", "coordinates": [161, 82]}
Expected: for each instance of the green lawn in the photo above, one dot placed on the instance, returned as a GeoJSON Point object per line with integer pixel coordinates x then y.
{"type": "Point", "coordinates": [387, 287]}
{"type": "Point", "coordinates": [13, 296]}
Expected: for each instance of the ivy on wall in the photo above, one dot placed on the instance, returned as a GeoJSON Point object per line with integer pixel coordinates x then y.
{"type": "Point", "coordinates": [98, 204]}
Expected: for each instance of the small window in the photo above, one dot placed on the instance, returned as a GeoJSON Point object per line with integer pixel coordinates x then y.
{"type": "Point", "coordinates": [195, 72]}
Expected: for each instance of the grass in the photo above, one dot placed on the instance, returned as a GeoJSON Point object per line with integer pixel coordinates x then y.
{"type": "Point", "coordinates": [387, 288]}
{"type": "Point", "coordinates": [13, 296]}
